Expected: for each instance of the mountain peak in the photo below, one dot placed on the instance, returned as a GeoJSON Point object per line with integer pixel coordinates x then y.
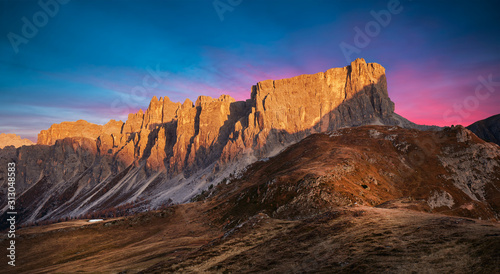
{"type": "Point", "coordinates": [13, 140]}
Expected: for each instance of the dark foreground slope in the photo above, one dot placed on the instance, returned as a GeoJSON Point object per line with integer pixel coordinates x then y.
{"type": "Point", "coordinates": [364, 199]}
{"type": "Point", "coordinates": [357, 239]}
{"type": "Point", "coordinates": [487, 129]}
{"type": "Point", "coordinates": [183, 239]}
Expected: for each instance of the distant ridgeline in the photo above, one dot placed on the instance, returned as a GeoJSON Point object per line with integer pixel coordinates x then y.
{"type": "Point", "coordinates": [13, 140]}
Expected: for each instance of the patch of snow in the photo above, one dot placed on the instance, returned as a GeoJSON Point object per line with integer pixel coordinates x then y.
{"type": "Point", "coordinates": [95, 220]}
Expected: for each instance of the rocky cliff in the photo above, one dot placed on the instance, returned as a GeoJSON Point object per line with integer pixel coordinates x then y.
{"type": "Point", "coordinates": [172, 151]}
{"type": "Point", "coordinates": [13, 140]}
{"type": "Point", "coordinates": [186, 137]}
{"type": "Point", "coordinates": [487, 129]}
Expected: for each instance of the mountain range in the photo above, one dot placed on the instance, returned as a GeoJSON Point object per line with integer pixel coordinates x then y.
{"type": "Point", "coordinates": [322, 159]}
{"type": "Point", "coordinates": [173, 151]}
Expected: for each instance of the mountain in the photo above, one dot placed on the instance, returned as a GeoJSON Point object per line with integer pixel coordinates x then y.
{"type": "Point", "coordinates": [13, 140]}
{"type": "Point", "coordinates": [315, 173]}
{"type": "Point", "coordinates": [355, 199]}
{"type": "Point", "coordinates": [173, 151]}
{"type": "Point", "coordinates": [487, 129]}
{"type": "Point", "coordinates": [450, 171]}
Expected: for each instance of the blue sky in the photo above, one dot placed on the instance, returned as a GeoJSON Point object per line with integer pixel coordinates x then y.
{"type": "Point", "coordinates": [100, 60]}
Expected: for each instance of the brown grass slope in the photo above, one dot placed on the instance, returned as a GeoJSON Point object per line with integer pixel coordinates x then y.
{"type": "Point", "coordinates": [349, 240]}
{"type": "Point", "coordinates": [450, 171]}
{"type": "Point", "coordinates": [132, 243]}
{"type": "Point", "coordinates": [360, 199]}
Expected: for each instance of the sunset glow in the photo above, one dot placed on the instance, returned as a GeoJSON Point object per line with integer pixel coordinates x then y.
{"type": "Point", "coordinates": [90, 60]}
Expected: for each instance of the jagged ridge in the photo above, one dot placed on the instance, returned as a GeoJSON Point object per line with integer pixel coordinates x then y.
{"type": "Point", "coordinates": [174, 150]}
{"type": "Point", "coordinates": [13, 140]}
{"type": "Point", "coordinates": [185, 137]}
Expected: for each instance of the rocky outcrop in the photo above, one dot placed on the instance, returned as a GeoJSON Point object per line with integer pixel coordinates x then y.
{"type": "Point", "coordinates": [189, 137]}
{"type": "Point", "coordinates": [287, 110]}
{"type": "Point", "coordinates": [80, 128]}
{"type": "Point", "coordinates": [174, 150]}
{"type": "Point", "coordinates": [13, 140]}
{"type": "Point", "coordinates": [487, 129]}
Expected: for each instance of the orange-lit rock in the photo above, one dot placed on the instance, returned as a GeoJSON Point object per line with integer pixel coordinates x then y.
{"type": "Point", "coordinates": [221, 130]}
{"type": "Point", "coordinates": [13, 140]}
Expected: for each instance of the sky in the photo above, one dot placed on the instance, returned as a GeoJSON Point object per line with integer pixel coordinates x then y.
{"type": "Point", "coordinates": [98, 60]}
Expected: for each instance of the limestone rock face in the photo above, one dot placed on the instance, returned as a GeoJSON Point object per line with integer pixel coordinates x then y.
{"type": "Point", "coordinates": [190, 136]}
{"type": "Point", "coordinates": [13, 140]}
{"type": "Point", "coordinates": [174, 150]}
{"type": "Point", "coordinates": [284, 104]}
{"type": "Point", "coordinates": [290, 109]}
{"type": "Point", "coordinates": [80, 128]}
